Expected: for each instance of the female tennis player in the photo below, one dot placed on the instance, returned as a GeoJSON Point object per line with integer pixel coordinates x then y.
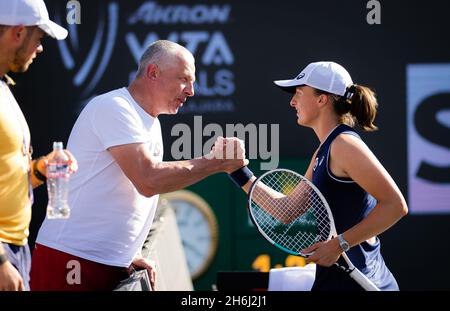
{"type": "Point", "coordinates": [363, 198]}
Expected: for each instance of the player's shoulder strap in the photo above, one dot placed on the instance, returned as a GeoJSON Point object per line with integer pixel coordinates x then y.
{"type": "Point", "coordinates": [341, 128]}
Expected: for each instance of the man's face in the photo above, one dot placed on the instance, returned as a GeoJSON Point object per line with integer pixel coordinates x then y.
{"type": "Point", "coordinates": [176, 83]}
{"type": "Point", "coordinates": [28, 49]}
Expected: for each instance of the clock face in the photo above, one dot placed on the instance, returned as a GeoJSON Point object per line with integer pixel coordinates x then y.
{"type": "Point", "coordinates": [198, 229]}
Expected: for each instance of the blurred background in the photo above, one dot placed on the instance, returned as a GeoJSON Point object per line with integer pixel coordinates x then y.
{"type": "Point", "coordinates": [398, 48]}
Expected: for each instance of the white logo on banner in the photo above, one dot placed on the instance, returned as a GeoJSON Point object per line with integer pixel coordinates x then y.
{"type": "Point", "coordinates": [215, 83]}
{"type": "Point", "coordinates": [152, 13]}
{"type": "Point", "coordinates": [215, 79]}
{"type": "Point", "coordinates": [429, 138]}
{"type": "Point", "coordinates": [86, 74]}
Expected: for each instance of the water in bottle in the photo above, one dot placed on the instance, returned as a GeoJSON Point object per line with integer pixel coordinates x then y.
{"type": "Point", "coordinates": [58, 183]}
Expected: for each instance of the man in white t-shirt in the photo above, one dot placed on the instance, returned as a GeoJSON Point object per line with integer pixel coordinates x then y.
{"type": "Point", "coordinates": [113, 197]}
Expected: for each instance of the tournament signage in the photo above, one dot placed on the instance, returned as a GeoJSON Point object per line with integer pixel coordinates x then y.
{"type": "Point", "coordinates": [429, 138]}
{"type": "Point", "coordinates": [198, 27]}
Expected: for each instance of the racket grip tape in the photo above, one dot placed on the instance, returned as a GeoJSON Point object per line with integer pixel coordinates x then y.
{"type": "Point", "coordinates": [241, 176]}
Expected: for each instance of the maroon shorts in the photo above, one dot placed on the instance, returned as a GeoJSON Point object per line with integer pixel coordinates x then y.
{"type": "Point", "coordinates": [53, 270]}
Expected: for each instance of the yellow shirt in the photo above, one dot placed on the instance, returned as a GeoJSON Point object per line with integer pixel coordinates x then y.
{"type": "Point", "coordinates": [15, 202]}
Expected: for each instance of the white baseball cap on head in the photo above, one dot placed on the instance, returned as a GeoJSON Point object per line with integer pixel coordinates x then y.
{"type": "Point", "coordinates": [30, 13]}
{"type": "Point", "coordinates": [326, 76]}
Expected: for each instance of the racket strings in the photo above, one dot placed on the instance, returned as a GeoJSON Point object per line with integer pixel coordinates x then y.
{"type": "Point", "coordinates": [289, 211]}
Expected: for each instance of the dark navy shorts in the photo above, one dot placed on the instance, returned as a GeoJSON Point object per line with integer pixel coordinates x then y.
{"type": "Point", "coordinates": [20, 258]}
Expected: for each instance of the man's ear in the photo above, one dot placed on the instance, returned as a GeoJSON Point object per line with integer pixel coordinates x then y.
{"type": "Point", "coordinates": [152, 71]}
{"type": "Point", "coordinates": [17, 33]}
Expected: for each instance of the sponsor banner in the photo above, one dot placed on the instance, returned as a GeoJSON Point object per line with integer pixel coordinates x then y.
{"type": "Point", "coordinates": [122, 31]}
{"type": "Point", "coordinates": [428, 138]}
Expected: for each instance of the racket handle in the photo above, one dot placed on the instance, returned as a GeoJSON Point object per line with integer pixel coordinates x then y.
{"type": "Point", "coordinates": [362, 280]}
{"type": "Point", "coordinates": [241, 176]}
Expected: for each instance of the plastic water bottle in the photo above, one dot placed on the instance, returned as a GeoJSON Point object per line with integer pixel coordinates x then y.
{"type": "Point", "coordinates": [58, 183]}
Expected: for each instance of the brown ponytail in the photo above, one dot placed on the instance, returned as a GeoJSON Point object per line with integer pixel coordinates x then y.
{"type": "Point", "coordinates": [361, 108]}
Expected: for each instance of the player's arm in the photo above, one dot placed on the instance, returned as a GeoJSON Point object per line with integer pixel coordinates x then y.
{"type": "Point", "coordinates": [247, 186]}
{"type": "Point", "coordinates": [151, 177]}
{"type": "Point", "coordinates": [308, 174]}
{"type": "Point", "coordinates": [351, 157]}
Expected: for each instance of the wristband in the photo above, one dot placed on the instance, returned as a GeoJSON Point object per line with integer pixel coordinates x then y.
{"type": "Point", "coordinates": [36, 172]}
{"type": "Point", "coordinates": [241, 176]}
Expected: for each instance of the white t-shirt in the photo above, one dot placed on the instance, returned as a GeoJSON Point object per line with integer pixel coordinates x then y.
{"type": "Point", "coordinates": [109, 219]}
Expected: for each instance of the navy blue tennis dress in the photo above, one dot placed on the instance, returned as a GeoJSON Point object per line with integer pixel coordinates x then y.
{"type": "Point", "coordinates": [349, 204]}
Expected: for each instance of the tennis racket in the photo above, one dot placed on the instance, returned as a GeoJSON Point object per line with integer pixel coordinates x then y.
{"type": "Point", "coordinates": [292, 214]}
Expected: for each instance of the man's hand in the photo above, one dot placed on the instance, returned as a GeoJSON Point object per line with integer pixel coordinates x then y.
{"type": "Point", "coordinates": [43, 162]}
{"type": "Point", "coordinates": [10, 279]}
{"type": "Point", "coordinates": [140, 262]}
{"type": "Point", "coordinates": [231, 150]}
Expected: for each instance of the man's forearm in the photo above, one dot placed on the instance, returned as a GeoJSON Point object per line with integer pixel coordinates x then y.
{"type": "Point", "coordinates": [166, 177]}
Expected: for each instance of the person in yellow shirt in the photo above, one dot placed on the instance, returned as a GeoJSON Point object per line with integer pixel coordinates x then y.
{"type": "Point", "coordinates": [23, 23]}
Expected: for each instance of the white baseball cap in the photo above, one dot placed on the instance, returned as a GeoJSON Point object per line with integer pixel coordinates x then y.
{"type": "Point", "coordinates": [326, 76]}
{"type": "Point", "coordinates": [30, 13]}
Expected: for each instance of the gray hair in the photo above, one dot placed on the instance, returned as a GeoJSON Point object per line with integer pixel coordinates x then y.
{"type": "Point", "coordinates": [159, 52]}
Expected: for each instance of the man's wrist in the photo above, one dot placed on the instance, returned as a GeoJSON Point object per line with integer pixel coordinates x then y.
{"type": "Point", "coordinates": [36, 171]}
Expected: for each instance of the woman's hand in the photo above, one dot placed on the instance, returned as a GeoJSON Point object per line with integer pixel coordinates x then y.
{"type": "Point", "coordinates": [324, 253]}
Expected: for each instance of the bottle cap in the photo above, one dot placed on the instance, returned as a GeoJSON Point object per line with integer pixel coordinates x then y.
{"type": "Point", "coordinates": [58, 145]}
